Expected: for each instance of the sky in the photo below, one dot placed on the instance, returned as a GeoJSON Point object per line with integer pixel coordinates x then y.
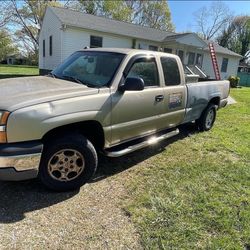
{"type": "Point", "coordinates": [182, 12]}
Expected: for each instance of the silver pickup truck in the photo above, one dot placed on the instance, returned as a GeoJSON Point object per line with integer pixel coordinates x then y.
{"type": "Point", "coordinates": [113, 101]}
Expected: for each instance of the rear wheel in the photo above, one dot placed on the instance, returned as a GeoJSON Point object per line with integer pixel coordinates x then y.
{"type": "Point", "coordinates": [207, 118]}
{"type": "Point", "coordinates": [67, 163]}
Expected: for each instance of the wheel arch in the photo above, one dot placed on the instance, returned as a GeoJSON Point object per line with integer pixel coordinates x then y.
{"type": "Point", "coordinates": [91, 129]}
{"type": "Point", "coordinates": [215, 100]}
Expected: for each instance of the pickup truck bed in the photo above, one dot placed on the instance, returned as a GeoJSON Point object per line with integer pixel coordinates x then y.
{"type": "Point", "coordinates": [198, 95]}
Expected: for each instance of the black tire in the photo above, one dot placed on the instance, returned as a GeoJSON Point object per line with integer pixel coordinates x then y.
{"type": "Point", "coordinates": [207, 118]}
{"type": "Point", "coordinates": [85, 162]}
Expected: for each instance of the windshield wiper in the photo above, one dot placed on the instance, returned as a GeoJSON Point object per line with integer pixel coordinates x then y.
{"type": "Point", "coordinates": [75, 79]}
{"type": "Point", "coordinates": [52, 75]}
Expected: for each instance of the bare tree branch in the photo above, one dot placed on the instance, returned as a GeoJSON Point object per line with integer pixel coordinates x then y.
{"type": "Point", "coordinates": [5, 14]}
{"type": "Point", "coordinates": [213, 19]}
{"type": "Point", "coordinates": [22, 21]}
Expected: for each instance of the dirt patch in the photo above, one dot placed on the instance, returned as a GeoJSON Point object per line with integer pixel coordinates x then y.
{"type": "Point", "coordinates": [90, 218]}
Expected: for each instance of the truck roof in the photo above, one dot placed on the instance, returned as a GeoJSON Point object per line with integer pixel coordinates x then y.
{"type": "Point", "coordinates": [129, 51]}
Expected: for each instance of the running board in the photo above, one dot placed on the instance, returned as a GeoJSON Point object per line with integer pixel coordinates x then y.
{"type": "Point", "coordinates": [151, 141]}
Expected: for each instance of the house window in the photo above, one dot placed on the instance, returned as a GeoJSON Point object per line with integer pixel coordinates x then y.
{"type": "Point", "coordinates": [95, 41]}
{"type": "Point", "coordinates": [142, 46]}
{"type": "Point", "coordinates": [224, 65]}
{"type": "Point", "coordinates": [43, 48]}
{"type": "Point", "coordinates": [180, 53]}
{"type": "Point", "coordinates": [154, 48]}
{"type": "Point", "coordinates": [191, 57]}
{"type": "Point", "coordinates": [171, 71]}
{"type": "Point", "coordinates": [199, 59]}
{"type": "Point", "coordinates": [50, 45]}
{"type": "Point", "coordinates": [168, 50]}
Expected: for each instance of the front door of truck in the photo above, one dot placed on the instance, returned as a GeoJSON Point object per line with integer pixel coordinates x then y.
{"type": "Point", "coordinates": [137, 113]}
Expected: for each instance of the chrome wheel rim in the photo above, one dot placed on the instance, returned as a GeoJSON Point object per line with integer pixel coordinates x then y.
{"type": "Point", "coordinates": [66, 165]}
{"type": "Point", "coordinates": [210, 118]}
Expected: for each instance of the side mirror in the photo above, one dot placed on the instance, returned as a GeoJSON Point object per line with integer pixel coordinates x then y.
{"type": "Point", "coordinates": [132, 84]}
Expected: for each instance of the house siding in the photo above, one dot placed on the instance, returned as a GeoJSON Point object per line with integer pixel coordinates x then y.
{"type": "Point", "coordinates": [190, 40]}
{"type": "Point", "coordinates": [144, 44]}
{"type": "Point", "coordinates": [51, 27]}
{"type": "Point", "coordinates": [76, 39]}
{"type": "Point", "coordinates": [231, 67]}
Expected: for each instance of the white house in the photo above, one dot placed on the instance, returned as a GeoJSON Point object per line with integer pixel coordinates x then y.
{"type": "Point", "coordinates": [65, 31]}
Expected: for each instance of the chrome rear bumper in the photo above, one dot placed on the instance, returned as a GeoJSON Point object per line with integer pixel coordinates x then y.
{"type": "Point", "coordinates": [223, 103]}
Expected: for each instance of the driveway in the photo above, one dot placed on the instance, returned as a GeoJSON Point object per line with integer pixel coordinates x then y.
{"type": "Point", "coordinates": [32, 217]}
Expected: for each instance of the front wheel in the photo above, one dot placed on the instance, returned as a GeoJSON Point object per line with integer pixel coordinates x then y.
{"type": "Point", "coordinates": [67, 163]}
{"type": "Point", "coordinates": [207, 118]}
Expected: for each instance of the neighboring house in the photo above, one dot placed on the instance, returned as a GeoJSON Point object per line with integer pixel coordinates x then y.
{"type": "Point", "coordinates": [64, 31]}
{"type": "Point", "coordinates": [15, 59]}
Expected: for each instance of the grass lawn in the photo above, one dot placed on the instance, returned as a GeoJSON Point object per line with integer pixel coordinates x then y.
{"type": "Point", "coordinates": [8, 71]}
{"type": "Point", "coordinates": [196, 193]}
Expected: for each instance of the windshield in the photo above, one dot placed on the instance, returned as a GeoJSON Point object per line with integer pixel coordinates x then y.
{"type": "Point", "coordinates": [91, 68]}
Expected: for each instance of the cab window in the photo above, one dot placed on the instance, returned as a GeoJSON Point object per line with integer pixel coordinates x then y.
{"type": "Point", "coordinates": [147, 70]}
{"type": "Point", "coordinates": [171, 71]}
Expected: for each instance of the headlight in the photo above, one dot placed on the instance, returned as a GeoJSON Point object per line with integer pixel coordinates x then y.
{"type": "Point", "coordinates": [3, 121]}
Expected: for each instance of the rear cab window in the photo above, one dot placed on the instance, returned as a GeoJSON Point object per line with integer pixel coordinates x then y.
{"type": "Point", "coordinates": [171, 71]}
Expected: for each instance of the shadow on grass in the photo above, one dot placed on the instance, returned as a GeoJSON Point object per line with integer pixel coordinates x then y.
{"type": "Point", "coordinates": [111, 166]}
{"type": "Point", "coordinates": [18, 198]}
{"type": "Point", "coordinates": [6, 76]}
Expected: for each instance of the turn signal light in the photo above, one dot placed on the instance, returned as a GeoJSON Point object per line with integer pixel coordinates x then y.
{"type": "Point", "coordinates": [3, 121]}
{"type": "Point", "coordinates": [4, 117]}
{"type": "Point", "coordinates": [3, 137]}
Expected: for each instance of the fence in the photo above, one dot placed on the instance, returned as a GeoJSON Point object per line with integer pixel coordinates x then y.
{"type": "Point", "coordinates": [244, 78]}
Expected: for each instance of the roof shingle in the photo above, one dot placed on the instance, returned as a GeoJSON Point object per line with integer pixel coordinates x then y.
{"type": "Point", "coordinates": [103, 24]}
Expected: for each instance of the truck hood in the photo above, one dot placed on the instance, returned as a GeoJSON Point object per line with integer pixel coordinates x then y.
{"type": "Point", "coordinates": [21, 92]}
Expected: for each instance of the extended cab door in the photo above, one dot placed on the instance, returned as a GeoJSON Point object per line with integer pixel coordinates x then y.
{"type": "Point", "coordinates": [136, 113]}
{"type": "Point", "coordinates": [175, 91]}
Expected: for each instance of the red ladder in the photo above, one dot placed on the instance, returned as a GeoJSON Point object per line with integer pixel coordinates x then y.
{"type": "Point", "coordinates": [214, 61]}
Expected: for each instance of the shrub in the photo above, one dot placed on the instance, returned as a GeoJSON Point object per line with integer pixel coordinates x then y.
{"type": "Point", "coordinates": [234, 81]}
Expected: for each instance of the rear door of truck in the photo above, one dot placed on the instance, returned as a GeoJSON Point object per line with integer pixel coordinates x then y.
{"type": "Point", "coordinates": [175, 91]}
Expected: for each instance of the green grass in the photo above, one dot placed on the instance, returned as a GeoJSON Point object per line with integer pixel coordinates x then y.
{"type": "Point", "coordinates": [9, 71]}
{"type": "Point", "coordinates": [196, 193]}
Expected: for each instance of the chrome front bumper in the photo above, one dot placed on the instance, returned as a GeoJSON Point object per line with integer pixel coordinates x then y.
{"type": "Point", "coordinates": [15, 166]}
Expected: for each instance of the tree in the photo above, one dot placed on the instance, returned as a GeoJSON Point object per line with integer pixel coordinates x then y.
{"type": "Point", "coordinates": [86, 6]}
{"type": "Point", "coordinates": [118, 10]}
{"type": "Point", "coordinates": [28, 17]}
{"type": "Point", "coordinates": [236, 36]}
{"type": "Point", "coordinates": [210, 21]}
{"type": "Point", "coordinates": [6, 45]}
{"type": "Point", "coordinates": [154, 14]}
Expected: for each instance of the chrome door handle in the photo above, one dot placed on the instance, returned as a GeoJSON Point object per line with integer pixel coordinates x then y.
{"type": "Point", "coordinates": [159, 98]}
